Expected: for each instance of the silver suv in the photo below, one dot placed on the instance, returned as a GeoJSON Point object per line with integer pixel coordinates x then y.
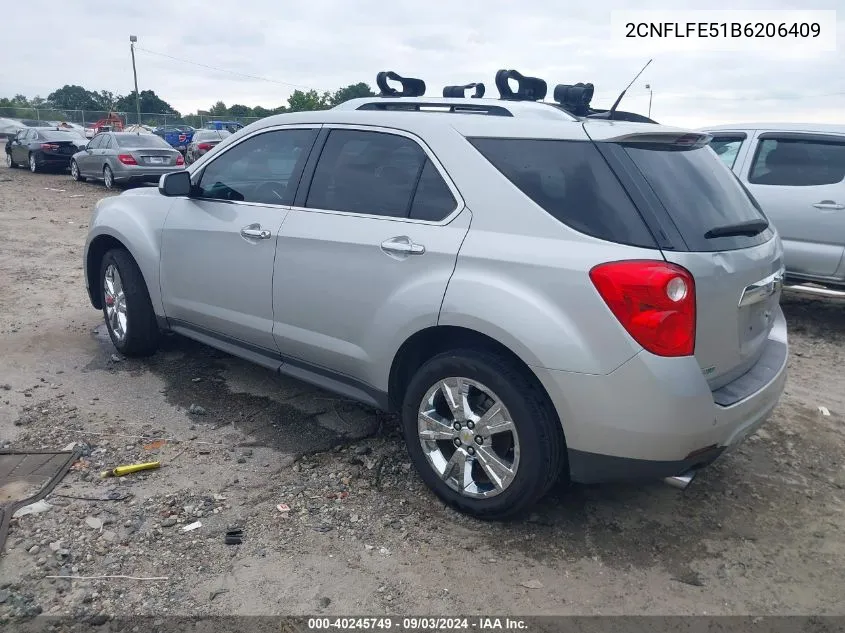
{"type": "Point", "coordinates": [536, 294]}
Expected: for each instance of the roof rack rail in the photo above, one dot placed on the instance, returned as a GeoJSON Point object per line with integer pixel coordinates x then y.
{"type": "Point", "coordinates": [459, 92]}
{"type": "Point", "coordinates": [435, 106]}
{"type": "Point", "coordinates": [411, 87]}
{"type": "Point", "coordinates": [530, 88]}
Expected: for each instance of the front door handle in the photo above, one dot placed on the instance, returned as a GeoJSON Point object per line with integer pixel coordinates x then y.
{"type": "Point", "coordinates": [829, 205]}
{"type": "Point", "coordinates": [402, 245]}
{"type": "Point", "coordinates": [255, 232]}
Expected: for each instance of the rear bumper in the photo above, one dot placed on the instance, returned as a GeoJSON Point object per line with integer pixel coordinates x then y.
{"type": "Point", "coordinates": [145, 173]}
{"type": "Point", "coordinates": [52, 160]}
{"type": "Point", "coordinates": [657, 417]}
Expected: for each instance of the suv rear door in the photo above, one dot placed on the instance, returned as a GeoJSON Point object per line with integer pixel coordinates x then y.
{"type": "Point", "coordinates": [799, 180]}
{"type": "Point", "coordinates": [691, 201]}
{"type": "Point", "coordinates": [365, 254]}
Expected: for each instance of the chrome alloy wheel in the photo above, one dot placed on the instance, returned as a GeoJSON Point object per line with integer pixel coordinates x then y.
{"type": "Point", "coordinates": [468, 437]}
{"type": "Point", "coordinates": [115, 302]}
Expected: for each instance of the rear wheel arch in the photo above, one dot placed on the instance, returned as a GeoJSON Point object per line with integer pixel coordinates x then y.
{"type": "Point", "coordinates": [428, 343]}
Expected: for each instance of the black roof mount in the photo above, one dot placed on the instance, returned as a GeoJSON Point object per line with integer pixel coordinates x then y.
{"type": "Point", "coordinates": [530, 88]}
{"type": "Point", "coordinates": [459, 92]}
{"type": "Point", "coordinates": [575, 98]}
{"type": "Point", "coordinates": [411, 87]}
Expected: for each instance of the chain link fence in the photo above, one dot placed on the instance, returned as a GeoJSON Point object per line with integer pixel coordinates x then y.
{"type": "Point", "coordinates": [87, 118]}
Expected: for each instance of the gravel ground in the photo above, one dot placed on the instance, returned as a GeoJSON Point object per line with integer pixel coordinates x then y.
{"type": "Point", "coordinates": [760, 532]}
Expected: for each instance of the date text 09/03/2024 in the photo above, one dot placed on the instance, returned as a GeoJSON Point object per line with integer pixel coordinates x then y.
{"type": "Point", "coordinates": [477, 623]}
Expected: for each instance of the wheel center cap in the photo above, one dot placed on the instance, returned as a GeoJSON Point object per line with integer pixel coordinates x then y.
{"type": "Point", "coordinates": [109, 300]}
{"type": "Point", "coordinates": [467, 436]}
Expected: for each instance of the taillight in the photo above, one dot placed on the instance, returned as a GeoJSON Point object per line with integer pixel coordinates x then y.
{"type": "Point", "coordinates": [180, 160]}
{"type": "Point", "coordinates": [653, 300]}
{"type": "Point", "coordinates": [204, 146]}
{"type": "Point", "coordinates": [49, 147]}
{"type": "Point", "coordinates": [127, 159]}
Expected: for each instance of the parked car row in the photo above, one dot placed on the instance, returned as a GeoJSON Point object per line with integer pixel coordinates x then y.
{"type": "Point", "coordinates": [112, 157]}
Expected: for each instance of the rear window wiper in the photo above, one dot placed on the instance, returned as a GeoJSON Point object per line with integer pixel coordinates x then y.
{"type": "Point", "coordinates": [749, 228]}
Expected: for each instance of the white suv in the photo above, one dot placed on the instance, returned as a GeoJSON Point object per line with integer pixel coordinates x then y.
{"type": "Point", "coordinates": [797, 174]}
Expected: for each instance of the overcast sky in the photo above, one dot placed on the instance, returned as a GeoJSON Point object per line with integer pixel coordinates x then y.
{"type": "Point", "coordinates": [326, 44]}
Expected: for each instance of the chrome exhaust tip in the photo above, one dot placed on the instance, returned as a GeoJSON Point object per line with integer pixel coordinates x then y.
{"type": "Point", "coordinates": [680, 481]}
{"type": "Point", "coordinates": [818, 291]}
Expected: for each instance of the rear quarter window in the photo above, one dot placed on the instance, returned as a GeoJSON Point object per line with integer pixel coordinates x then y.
{"type": "Point", "coordinates": [572, 182]}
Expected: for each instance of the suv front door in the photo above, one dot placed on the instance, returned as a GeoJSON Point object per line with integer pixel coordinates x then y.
{"type": "Point", "coordinates": [218, 245]}
{"type": "Point", "coordinates": [799, 181]}
{"type": "Point", "coordinates": [364, 257]}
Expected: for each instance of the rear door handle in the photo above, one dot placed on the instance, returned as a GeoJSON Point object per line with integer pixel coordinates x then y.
{"type": "Point", "coordinates": [829, 205]}
{"type": "Point", "coordinates": [402, 245]}
{"type": "Point", "coordinates": [255, 232]}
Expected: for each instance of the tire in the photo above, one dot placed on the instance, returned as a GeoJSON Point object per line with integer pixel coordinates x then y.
{"type": "Point", "coordinates": [108, 177]}
{"type": "Point", "coordinates": [536, 465]}
{"type": "Point", "coordinates": [137, 334]}
{"type": "Point", "coordinates": [33, 165]}
{"type": "Point", "coordinates": [74, 172]}
{"type": "Point", "coordinates": [11, 164]}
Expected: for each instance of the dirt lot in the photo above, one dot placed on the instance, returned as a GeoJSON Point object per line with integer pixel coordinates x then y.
{"type": "Point", "coordinates": [760, 532]}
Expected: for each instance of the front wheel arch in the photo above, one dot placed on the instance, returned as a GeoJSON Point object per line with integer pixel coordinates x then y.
{"type": "Point", "coordinates": [96, 251]}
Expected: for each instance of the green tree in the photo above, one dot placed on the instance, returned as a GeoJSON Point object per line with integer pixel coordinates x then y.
{"type": "Point", "coordinates": [108, 99]}
{"type": "Point", "coordinates": [352, 91]}
{"type": "Point", "coordinates": [261, 112]}
{"type": "Point", "coordinates": [151, 103]}
{"type": "Point", "coordinates": [218, 109]}
{"type": "Point", "coordinates": [238, 111]}
{"type": "Point", "coordinates": [72, 97]}
{"type": "Point", "coordinates": [305, 101]}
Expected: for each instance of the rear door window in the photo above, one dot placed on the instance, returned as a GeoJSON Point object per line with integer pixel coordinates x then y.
{"type": "Point", "coordinates": [373, 173]}
{"type": "Point", "coordinates": [698, 194]}
{"type": "Point", "coordinates": [727, 148]}
{"type": "Point", "coordinates": [797, 162]}
{"type": "Point", "coordinates": [572, 182]}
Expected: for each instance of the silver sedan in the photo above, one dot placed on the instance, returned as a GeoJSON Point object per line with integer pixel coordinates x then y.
{"type": "Point", "coordinates": [125, 157]}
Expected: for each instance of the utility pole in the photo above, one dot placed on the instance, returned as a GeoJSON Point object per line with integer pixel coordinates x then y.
{"type": "Point", "coordinates": [650, 93]}
{"type": "Point", "coordinates": [132, 40]}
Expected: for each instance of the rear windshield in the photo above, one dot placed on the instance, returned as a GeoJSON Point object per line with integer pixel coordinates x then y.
{"type": "Point", "coordinates": [141, 140]}
{"type": "Point", "coordinates": [698, 192]}
{"type": "Point", "coordinates": [59, 135]}
{"type": "Point", "coordinates": [572, 182]}
{"type": "Point", "coordinates": [211, 135]}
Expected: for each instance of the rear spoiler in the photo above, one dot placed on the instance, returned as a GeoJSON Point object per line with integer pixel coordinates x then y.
{"type": "Point", "coordinates": [690, 140]}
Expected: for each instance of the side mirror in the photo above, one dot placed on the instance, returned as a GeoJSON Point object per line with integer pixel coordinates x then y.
{"type": "Point", "coordinates": [177, 183]}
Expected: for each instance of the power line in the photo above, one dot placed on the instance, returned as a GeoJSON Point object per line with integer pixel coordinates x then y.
{"type": "Point", "coordinates": [224, 70]}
